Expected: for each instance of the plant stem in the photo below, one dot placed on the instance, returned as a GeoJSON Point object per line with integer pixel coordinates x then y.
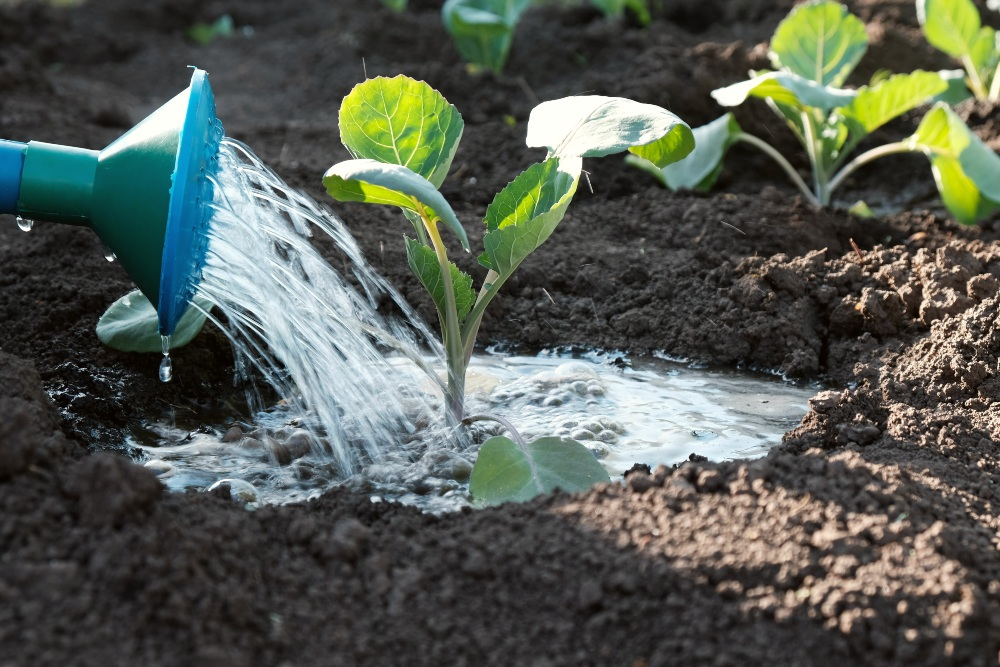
{"type": "Point", "coordinates": [782, 162]}
{"type": "Point", "coordinates": [514, 435]}
{"type": "Point", "coordinates": [452, 334]}
{"type": "Point", "coordinates": [812, 150]}
{"type": "Point", "coordinates": [995, 86]}
{"type": "Point", "coordinates": [475, 316]}
{"type": "Point", "coordinates": [865, 158]}
{"type": "Point", "coordinates": [975, 81]}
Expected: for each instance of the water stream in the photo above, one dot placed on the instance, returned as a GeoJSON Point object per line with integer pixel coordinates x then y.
{"type": "Point", "coordinates": [361, 394]}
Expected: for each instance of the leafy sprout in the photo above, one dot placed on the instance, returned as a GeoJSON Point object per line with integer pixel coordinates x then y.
{"type": "Point", "coordinates": [954, 27]}
{"type": "Point", "coordinates": [813, 52]}
{"type": "Point", "coordinates": [403, 136]}
{"type": "Point", "coordinates": [483, 29]}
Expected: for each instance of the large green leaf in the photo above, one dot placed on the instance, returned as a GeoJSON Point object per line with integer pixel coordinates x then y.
{"type": "Point", "coordinates": [483, 29]}
{"type": "Point", "coordinates": [787, 89]}
{"type": "Point", "coordinates": [401, 121]}
{"type": "Point", "coordinates": [504, 472]}
{"type": "Point", "coordinates": [130, 324]}
{"type": "Point", "coordinates": [949, 25]}
{"type": "Point", "coordinates": [423, 261]}
{"type": "Point", "coordinates": [374, 182]}
{"type": "Point", "coordinates": [877, 105]}
{"type": "Point", "coordinates": [594, 126]}
{"type": "Point", "coordinates": [965, 169]}
{"type": "Point", "coordinates": [820, 41]}
{"type": "Point", "coordinates": [698, 170]}
{"type": "Point", "coordinates": [525, 213]}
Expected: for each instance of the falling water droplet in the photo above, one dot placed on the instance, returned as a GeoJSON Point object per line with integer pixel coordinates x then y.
{"type": "Point", "coordinates": [109, 254]}
{"type": "Point", "coordinates": [167, 365]}
{"type": "Point", "coordinates": [25, 223]}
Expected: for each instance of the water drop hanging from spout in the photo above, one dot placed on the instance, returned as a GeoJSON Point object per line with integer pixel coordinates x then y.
{"type": "Point", "coordinates": [109, 254]}
{"type": "Point", "coordinates": [167, 365]}
{"type": "Point", "coordinates": [25, 224]}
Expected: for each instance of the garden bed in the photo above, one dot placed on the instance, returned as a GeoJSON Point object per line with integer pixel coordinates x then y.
{"type": "Point", "coordinates": [871, 536]}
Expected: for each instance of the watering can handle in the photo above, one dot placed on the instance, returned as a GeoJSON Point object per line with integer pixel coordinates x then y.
{"type": "Point", "coordinates": [11, 165]}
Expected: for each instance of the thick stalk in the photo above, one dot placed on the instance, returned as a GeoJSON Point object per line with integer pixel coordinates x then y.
{"type": "Point", "coordinates": [475, 317]}
{"type": "Point", "coordinates": [452, 334]}
{"type": "Point", "coordinates": [865, 158]}
{"type": "Point", "coordinates": [768, 150]}
{"type": "Point", "coordinates": [812, 150]}
{"type": "Point", "coordinates": [995, 86]}
{"type": "Point", "coordinates": [975, 81]}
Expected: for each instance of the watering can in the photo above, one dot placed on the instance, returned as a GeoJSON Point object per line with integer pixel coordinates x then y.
{"type": "Point", "coordinates": [144, 195]}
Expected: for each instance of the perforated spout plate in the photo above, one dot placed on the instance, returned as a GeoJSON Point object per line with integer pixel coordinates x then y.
{"type": "Point", "coordinates": [188, 215]}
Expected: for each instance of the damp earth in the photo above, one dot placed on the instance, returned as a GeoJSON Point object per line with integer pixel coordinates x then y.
{"type": "Point", "coordinates": [869, 536]}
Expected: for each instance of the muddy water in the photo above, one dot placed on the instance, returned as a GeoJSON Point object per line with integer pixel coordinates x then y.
{"type": "Point", "coordinates": [651, 411]}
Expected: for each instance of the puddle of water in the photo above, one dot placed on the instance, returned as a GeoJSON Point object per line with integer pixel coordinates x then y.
{"type": "Point", "coordinates": [651, 411]}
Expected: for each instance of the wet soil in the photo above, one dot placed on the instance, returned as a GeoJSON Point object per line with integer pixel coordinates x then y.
{"type": "Point", "coordinates": [870, 536]}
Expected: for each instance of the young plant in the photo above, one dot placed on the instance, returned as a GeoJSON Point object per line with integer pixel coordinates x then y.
{"type": "Point", "coordinates": [616, 8]}
{"type": "Point", "coordinates": [954, 27]}
{"type": "Point", "coordinates": [403, 135]}
{"type": "Point", "coordinates": [814, 50]}
{"type": "Point", "coordinates": [483, 29]}
{"type": "Point", "coordinates": [395, 5]}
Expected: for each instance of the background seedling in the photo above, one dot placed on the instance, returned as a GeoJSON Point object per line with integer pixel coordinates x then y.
{"type": "Point", "coordinates": [954, 27]}
{"type": "Point", "coordinates": [813, 51]}
{"type": "Point", "coordinates": [483, 29]}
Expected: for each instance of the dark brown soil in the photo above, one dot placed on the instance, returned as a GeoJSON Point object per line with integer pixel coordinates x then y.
{"type": "Point", "coordinates": [870, 537]}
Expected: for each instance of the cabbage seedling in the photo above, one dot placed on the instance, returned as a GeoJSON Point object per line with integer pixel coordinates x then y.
{"type": "Point", "coordinates": [403, 135]}
{"type": "Point", "coordinates": [483, 29]}
{"type": "Point", "coordinates": [954, 27]}
{"type": "Point", "coordinates": [616, 8]}
{"type": "Point", "coordinates": [813, 51]}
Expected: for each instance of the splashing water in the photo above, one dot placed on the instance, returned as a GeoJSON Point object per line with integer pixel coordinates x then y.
{"type": "Point", "coordinates": [317, 339]}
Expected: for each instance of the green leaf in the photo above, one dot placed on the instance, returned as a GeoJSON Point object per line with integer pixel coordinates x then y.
{"type": "Point", "coordinates": [401, 121]}
{"type": "Point", "coordinates": [949, 25]}
{"type": "Point", "coordinates": [205, 33]}
{"type": "Point", "coordinates": [504, 472]}
{"type": "Point", "coordinates": [787, 89]}
{"type": "Point", "coordinates": [616, 8]}
{"type": "Point", "coordinates": [820, 41]}
{"type": "Point", "coordinates": [698, 170]}
{"type": "Point", "coordinates": [965, 169]}
{"type": "Point", "coordinates": [957, 89]}
{"type": "Point", "coordinates": [595, 126]}
{"type": "Point", "coordinates": [130, 324]}
{"type": "Point", "coordinates": [483, 29]}
{"type": "Point", "coordinates": [985, 50]}
{"type": "Point", "coordinates": [525, 213]}
{"type": "Point", "coordinates": [877, 105]}
{"type": "Point", "coordinates": [423, 261]}
{"type": "Point", "coordinates": [395, 5]}
{"type": "Point", "coordinates": [373, 182]}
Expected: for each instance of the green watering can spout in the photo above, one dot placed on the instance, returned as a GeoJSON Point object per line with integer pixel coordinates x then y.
{"type": "Point", "coordinates": [146, 195]}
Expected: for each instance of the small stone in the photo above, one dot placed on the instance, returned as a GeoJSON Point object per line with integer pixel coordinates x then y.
{"type": "Point", "coordinates": [234, 434]}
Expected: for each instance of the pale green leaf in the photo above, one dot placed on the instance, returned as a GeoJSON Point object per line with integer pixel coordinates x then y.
{"type": "Point", "coordinates": [957, 88]}
{"type": "Point", "coordinates": [131, 324]}
{"type": "Point", "coordinates": [875, 106]}
{"type": "Point", "coordinates": [483, 29]}
{"type": "Point", "coordinates": [949, 25]}
{"type": "Point", "coordinates": [984, 50]}
{"type": "Point", "coordinates": [423, 261]}
{"type": "Point", "coordinates": [784, 88]}
{"type": "Point", "coordinates": [699, 170]}
{"type": "Point", "coordinates": [819, 41]}
{"type": "Point", "coordinates": [675, 145]}
{"type": "Point", "coordinates": [395, 5]}
{"type": "Point", "coordinates": [594, 126]}
{"type": "Point", "coordinates": [401, 121]}
{"type": "Point", "coordinates": [525, 213]}
{"type": "Point", "coordinates": [504, 472]}
{"type": "Point", "coordinates": [373, 182]}
{"type": "Point", "coordinates": [965, 169]}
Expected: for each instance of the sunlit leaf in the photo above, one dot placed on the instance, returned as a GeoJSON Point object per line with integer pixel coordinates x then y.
{"type": "Point", "coordinates": [875, 106]}
{"type": "Point", "coordinates": [949, 25]}
{"type": "Point", "coordinates": [401, 121]}
{"type": "Point", "coordinates": [820, 41]}
{"type": "Point", "coordinates": [784, 88]}
{"type": "Point", "coordinates": [424, 263]}
{"type": "Point", "coordinates": [504, 472]}
{"type": "Point", "coordinates": [594, 126]}
{"type": "Point", "coordinates": [698, 170]}
{"type": "Point", "coordinates": [131, 324]}
{"type": "Point", "coordinates": [525, 213]}
{"type": "Point", "coordinates": [373, 182]}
